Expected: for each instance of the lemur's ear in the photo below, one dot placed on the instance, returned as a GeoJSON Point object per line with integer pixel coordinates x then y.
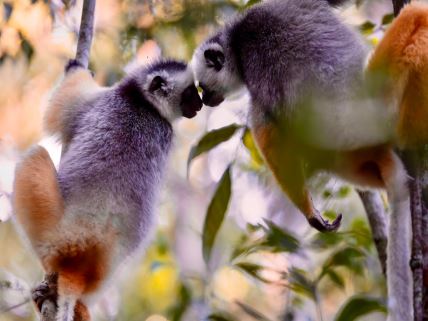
{"type": "Point", "coordinates": [214, 59]}
{"type": "Point", "coordinates": [157, 83]}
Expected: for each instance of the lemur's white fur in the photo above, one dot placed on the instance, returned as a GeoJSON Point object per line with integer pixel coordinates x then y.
{"type": "Point", "coordinates": [348, 120]}
{"type": "Point", "coordinates": [224, 81]}
{"type": "Point", "coordinates": [169, 105]}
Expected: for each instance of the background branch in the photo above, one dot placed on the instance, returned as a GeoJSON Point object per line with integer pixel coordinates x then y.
{"type": "Point", "coordinates": [375, 210]}
{"type": "Point", "coordinates": [86, 32]}
{"type": "Point", "coordinates": [398, 5]}
{"type": "Point", "coordinates": [417, 254]}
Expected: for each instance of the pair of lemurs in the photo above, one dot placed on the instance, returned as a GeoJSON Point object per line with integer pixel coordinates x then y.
{"type": "Point", "coordinates": [302, 66]}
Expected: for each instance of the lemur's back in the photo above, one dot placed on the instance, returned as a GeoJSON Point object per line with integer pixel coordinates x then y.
{"type": "Point", "coordinates": [281, 46]}
{"type": "Point", "coordinates": [111, 170]}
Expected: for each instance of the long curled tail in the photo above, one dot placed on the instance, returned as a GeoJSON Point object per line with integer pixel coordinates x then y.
{"type": "Point", "coordinates": [400, 283]}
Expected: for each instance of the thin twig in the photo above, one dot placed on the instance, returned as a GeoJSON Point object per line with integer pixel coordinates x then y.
{"type": "Point", "coordinates": [377, 220]}
{"type": "Point", "coordinates": [13, 307]}
{"type": "Point", "coordinates": [86, 32]}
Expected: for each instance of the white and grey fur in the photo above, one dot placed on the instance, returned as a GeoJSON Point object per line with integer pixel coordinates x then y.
{"type": "Point", "coordinates": [299, 61]}
{"type": "Point", "coordinates": [116, 145]}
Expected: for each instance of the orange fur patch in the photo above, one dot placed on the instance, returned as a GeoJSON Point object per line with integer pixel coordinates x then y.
{"type": "Point", "coordinates": [286, 164]}
{"type": "Point", "coordinates": [81, 268]}
{"type": "Point", "coordinates": [367, 167]}
{"type": "Point", "coordinates": [81, 312]}
{"type": "Point", "coordinates": [37, 200]}
{"type": "Point", "coordinates": [402, 56]}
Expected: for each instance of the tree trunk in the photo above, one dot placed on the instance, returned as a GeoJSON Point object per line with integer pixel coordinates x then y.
{"type": "Point", "coordinates": [417, 167]}
{"type": "Point", "coordinates": [398, 5]}
{"type": "Point", "coordinates": [377, 220]}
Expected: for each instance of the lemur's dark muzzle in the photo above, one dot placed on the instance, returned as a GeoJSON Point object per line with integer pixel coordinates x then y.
{"type": "Point", "coordinates": [191, 103]}
{"type": "Point", "coordinates": [210, 98]}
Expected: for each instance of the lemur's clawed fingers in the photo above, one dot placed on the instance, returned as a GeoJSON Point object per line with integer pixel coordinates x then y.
{"type": "Point", "coordinates": [323, 225]}
{"type": "Point", "coordinates": [46, 290]}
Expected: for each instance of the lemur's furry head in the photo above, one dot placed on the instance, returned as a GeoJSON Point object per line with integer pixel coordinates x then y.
{"type": "Point", "coordinates": [169, 86]}
{"type": "Point", "coordinates": [214, 71]}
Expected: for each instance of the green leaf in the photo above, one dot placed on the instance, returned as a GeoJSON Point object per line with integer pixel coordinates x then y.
{"type": "Point", "coordinates": [326, 240]}
{"type": "Point", "coordinates": [252, 312]}
{"type": "Point", "coordinates": [358, 306]}
{"type": "Point", "coordinates": [248, 141]}
{"type": "Point", "coordinates": [344, 191]}
{"type": "Point", "coordinates": [349, 257]}
{"type": "Point", "coordinates": [252, 270]}
{"type": "Point", "coordinates": [251, 3]}
{"type": "Point", "coordinates": [280, 240]}
{"type": "Point", "coordinates": [367, 27]}
{"type": "Point", "coordinates": [387, 19]}
{"type": "Point", "coordinates": [329, 214]}
{"type": "Point", "coordinates": [184, 300]}
{"type": "Point", "coordinates": [335, 278]}
{"type": "Point", "coordinates": [211, 140]}
{"type": "Point", "coordinates": [26, 47]}
{"type": "Point", "coordinates": [219, 317]}
{"type": "Point", "coordinates": [215, 214]}
{"type": "Point", "coordinates": [327, 194]}
{"type": "Point", "coordinates": [361, 234]}
{"type": "Point", "coordinates": [346, 256]}
{"type": "Point", "coordinates": [299, 283]}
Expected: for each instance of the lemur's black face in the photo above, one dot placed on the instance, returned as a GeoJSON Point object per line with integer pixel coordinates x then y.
{"type": "Point", "coordinates": [210, 98]}
{"type": "Point", "coordinates": [190, 102]}
{"type": "Point", "coordinates": [213, 73]}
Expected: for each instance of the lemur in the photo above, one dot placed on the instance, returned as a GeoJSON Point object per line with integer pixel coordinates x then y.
{"type": "Point", "coordinates": [311, 110]}
{"type": "Point", "coordinates": [86, 219]}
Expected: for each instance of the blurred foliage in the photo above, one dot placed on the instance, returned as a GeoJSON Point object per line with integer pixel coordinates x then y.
{"type": "Point", "coordinates": [265, 271]}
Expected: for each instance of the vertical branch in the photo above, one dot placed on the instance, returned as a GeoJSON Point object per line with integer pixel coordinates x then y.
{"type": "Point", "coordinates": [398, 5]}
{"type": "Point", "coordinates": [417, 166]}
{"type": "Point", "coordinates": [377, 220]}
{"type": "Point", "coordinates": [86, 32]}
{"type": "Point", "coordinates": [417, 253]}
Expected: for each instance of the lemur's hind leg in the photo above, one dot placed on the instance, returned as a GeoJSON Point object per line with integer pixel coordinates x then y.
{"type": "Point", "coordinates": [47, 290]}
{"type": "Point", "coordinates": [282, 156]}
{"type": "Point", "coordinates": [37, 200]}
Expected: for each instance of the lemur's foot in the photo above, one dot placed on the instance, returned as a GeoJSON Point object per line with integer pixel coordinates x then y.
{"type": "Point", "coordinates": [73, 64]}
{"type": "Point", "coordinates": [46, 290]}
{"type": "Point", "coordinates": [323, 225]}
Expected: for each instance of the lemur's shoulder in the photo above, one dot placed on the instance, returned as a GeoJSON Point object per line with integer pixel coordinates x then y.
{"type": "Point", "coordinates": [77, 86]}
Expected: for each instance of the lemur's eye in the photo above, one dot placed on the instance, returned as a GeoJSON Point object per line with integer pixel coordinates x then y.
{"type": "Point", "coordinates": [214, 59]}
{"type": "Point", "coordinates": [158, 83]}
